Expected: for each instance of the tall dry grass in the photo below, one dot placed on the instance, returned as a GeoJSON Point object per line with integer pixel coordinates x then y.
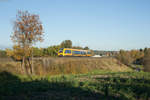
{"type": "Point", "coordinates": [76, 65]}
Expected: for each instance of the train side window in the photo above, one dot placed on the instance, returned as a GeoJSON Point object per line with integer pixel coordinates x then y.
{"type": "Point", "coordinates": [84, 52]}
{"type": "Point", "coordinates": [76, 52]}
{"type": "Point", "coordinates": [89, 52]}
{"type": "Point", "coordinates": [73, 52]}
{"type": "Point", "coordinates": [67, 51]}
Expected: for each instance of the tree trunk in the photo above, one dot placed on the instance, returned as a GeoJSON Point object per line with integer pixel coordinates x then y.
{"type": "Point", "coordinates": [31, 66]}
{"type": "Point", "coordinates": [22, 70]}
{"type": "Point", "coordinates": [23, 64]}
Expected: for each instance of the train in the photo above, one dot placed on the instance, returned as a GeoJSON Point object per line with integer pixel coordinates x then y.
{"type": "Point", "coordinates": [66, 52]}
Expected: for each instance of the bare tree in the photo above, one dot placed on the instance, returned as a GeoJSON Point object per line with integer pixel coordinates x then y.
{"type": "Point", "coordinates": [28, 30]}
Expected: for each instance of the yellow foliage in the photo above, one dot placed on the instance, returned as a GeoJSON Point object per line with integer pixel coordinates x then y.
{"type": "Point", "coordinates": [17, 53]}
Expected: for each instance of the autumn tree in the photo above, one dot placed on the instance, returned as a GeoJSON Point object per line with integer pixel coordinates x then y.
{"type": "Point", "coordinates": [28, 30]}
{"type": "Point", "coordinates": [16, 53]}
{"type": "Point", "coordinates": [125, 57]}
{"type": "Point", "coordinates": [146, 60]}
{"type": "Point", "coordinates": [131, 57]}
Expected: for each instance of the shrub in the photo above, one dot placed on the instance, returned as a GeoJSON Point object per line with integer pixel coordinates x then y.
{"type": "Point", "coordinates": [3, 54]}
{"type": "Point", "coordinates": [130, 57]}
{"type": "Point", "coordinates": [125, 57]}
{"type": "Point", "coordinates": [146, 61]}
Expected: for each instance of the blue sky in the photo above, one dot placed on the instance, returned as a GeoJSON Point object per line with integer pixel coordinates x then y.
{"type": "Point", "coordinates": [99, 24]}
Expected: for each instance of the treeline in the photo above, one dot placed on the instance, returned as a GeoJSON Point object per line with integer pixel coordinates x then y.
{"type": "Point", "coordinates": [135, 57]}
{"type": "Point", "coordinates": [51, 51]}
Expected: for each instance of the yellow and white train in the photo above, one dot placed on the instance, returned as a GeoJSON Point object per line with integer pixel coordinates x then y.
{"type": "Point", "coordinates": [74, 52]}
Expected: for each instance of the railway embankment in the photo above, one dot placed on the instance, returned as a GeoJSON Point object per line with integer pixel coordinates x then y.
{"type": "Point", "coordinates": [67, 65]}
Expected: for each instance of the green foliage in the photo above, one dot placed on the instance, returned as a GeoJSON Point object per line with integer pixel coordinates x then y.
{"type": "Point", "coordinates": [86, 48]}
{"type": "Point", "coordinates": [77, 47]}
{"type": "Point", "coordinates": [118, 86]}
{"type": "Point", "coordinates": [51, 51]}
{"type": "Point", "coordinates": [37, 52]}
{"type": "Point", "coordinates": [66, 44]}
{"type": "Point", "coordinates": [3, 54]}
{"type": "Point", "coordinates": [17, 52]}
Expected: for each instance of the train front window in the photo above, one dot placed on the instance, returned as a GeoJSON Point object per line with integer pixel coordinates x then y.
{"type": "Point", "coordinates": [60, 51]}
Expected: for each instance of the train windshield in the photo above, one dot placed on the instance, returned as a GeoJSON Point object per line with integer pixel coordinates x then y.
{"type": "Point", "coordinates": [60, 51]}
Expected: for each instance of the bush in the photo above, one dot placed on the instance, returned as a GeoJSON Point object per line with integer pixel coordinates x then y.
{"type": "Point", "coordinates": [130, 57]}
{"type": "Point", "coordinates": [146, 61]}
{"type": "Point", "coordinates": [125, 57]}
{"type": "Point", "coordinates": [2, 54]}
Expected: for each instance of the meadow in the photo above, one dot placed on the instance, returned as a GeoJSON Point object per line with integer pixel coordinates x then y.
{"type": "Point", "coordinates": [99, 85]}
{"type": "Point", "coordinates": [73, 79]}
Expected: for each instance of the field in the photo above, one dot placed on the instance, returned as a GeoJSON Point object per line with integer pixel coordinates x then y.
{"type": "Point", "coordinates": [73, 79]}
{"type": "Point", "coordinates": [98, 85]}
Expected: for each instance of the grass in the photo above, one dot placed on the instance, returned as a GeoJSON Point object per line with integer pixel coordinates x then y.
{"type": "Point", "coordinates": [96, 85]}
{"type": "Point", "coordinates": [57, 66]}
{"type": "Point", "coordinates": [74, 79]}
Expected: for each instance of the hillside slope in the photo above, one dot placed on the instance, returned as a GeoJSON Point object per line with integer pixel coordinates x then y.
{"type": "Point", "coordinates": [67, 65]}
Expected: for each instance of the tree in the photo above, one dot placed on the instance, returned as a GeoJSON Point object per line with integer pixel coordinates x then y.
{"type": "Point", "coordinates": [86, 48]}
{"type": "Point", "coordinates": [77, 47]}
{"type": "Point", "coordinates": [125, 57]}
{"type": "Point", "coordinates": [146, 60]}
{"type": "Point", "coordinates": [37, 52]}
{"type": "Point", "coordinates": [51, 50]}
{"type": "Point", "coordinates": [27, 31]}
{"type": "Point", "coordinates": [3, 54]}
{"type": "Point", "coordinates": [66, 44]}
{"type": "Point", "coordinates": [16, 53]}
